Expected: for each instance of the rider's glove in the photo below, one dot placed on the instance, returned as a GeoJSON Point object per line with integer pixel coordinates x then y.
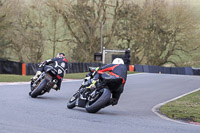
{"type": "Point", "coordinates": [92, 86]}
{"type": "Point", "coordinates": [42, 64]}
{"type": "Point", "coordinates": [95, 71]}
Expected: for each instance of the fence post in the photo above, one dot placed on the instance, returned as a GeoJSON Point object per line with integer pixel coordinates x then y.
{"type": "Point", "coordinates": [23, 69]}
{"type": "Point", "coordinates": [131, 67]}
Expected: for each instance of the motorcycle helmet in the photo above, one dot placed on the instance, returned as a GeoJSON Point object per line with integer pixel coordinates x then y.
{"type": "Point", "coordinates": [118, 61]}
{"type": "Point", "coordinates": [60, 55]}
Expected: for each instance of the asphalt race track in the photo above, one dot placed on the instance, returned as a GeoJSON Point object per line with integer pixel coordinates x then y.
{"type": "Point", "coordinates": [20, 113]}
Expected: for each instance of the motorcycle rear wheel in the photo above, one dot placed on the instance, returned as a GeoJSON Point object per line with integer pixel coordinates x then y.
{"type": "Point", "coordinates": [101, 101]}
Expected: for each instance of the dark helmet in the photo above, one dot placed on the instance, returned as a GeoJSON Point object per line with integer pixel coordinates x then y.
{"type": "Point", "coordinates": [60, 55]}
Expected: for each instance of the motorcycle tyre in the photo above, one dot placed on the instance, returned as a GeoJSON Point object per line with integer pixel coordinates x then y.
{"type": "Point", "coordinates": [71, 105]}
{"type": "Point", "coordinates": [39, 89]}
{"type": "Point", "coordinates": [99, 103]}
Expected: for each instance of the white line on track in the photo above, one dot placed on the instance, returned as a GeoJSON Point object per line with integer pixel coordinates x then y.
{"type": "Point", "coordinates": [13, 83]}
{"type": "Point", "coordinates": [156, 108]}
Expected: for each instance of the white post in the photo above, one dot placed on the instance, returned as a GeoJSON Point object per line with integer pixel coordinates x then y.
{"type": "Point", "coordinates": [104, 55]}
{"type": "Point", "coordinates": [101, 36]}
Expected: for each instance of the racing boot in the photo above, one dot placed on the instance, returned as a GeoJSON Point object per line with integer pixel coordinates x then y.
{"type": "Point", "coordinates": [113, 101]}
{"type": "Point", "coordinates": [38, 73]}
{"type": "Point", "coordinates": [55, 87]}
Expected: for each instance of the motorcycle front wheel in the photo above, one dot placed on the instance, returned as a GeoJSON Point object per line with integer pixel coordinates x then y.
{"type": "Point", "coordinates": [99, 101]}
{"type": "Point", "coordinates": [72, 102]}
{"type": "Point", "coordinates": [38, 90]}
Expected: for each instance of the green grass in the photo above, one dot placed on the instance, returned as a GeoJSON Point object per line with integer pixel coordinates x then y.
{"type": "Point", "coordinates": [186, 108]}
{"type": "Point", "coordinates": [14, 78]}
{"type": "Point", "coordinates": [20, 78]}
{"type": "Point", "coordinates": [75, 75]}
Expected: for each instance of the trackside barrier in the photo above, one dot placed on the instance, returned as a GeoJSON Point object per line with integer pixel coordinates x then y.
{"type": "Point", "coordinates": [196, 71]}
{"type": "Point", "coordinates": [31, 68]}
{"type": "Point", "coordinates": [23, 69]}
{"type": "Point", "coordinates": [72, 67]}
{"type": "Point", "coordinates": [131, 67]}
{"type": "Point", "coordinates": [11, 67]}
{"type": "Point", "coordinates": [81, 67]}
{"type": "Point", "coordinates": [167, 70]}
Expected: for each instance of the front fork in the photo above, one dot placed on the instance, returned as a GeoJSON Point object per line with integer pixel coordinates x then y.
{"type": "Point", "coordinates": [35, 83]}
{"type": "Point", "coordinates": [48, 77]}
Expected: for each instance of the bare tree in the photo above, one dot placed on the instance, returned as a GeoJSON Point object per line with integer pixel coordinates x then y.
{"type": "Point", "coordinates": [56, 28]}
{"type": "Point", "coordinates": [83, 20]}
{"type": "Point", "coordinates": [129, 33]}
{"type": "Point", "coordinates": [169, 32]}
{"type": "Point", "coordinates": [27, 36]}
{"type": "Point", "coordinates": [158, 33]}
{"type": "Point", "coordinates": [36, 42]}
{"type": "Point", "coordinates": [4, 26]}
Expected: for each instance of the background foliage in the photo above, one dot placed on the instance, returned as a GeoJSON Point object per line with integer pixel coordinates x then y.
{"type": "Point", "coordinates": [158, 32]}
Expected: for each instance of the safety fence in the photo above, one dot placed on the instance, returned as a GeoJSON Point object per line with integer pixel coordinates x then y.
{"type": "Point", "coordinates": [11, 67]}
{"type": "Point", "coordinates": [167, 70]}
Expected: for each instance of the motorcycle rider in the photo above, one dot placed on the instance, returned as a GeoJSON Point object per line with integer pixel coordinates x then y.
{"type": "Point", "coordinates": [117, 69]}
{"type": "Point", "coordinates": [59, 63]}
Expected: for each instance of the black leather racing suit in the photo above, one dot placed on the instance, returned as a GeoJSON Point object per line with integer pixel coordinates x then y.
{"type": "Point", "coordinates": [117, 70]}
{"type": "Point", "coordinates": [59, 63]}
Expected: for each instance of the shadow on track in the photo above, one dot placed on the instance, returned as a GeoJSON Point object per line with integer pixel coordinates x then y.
{"type": "Point", "coordinates": [101, 112]}
{"type": "Point", "coordinates": [50, 98]}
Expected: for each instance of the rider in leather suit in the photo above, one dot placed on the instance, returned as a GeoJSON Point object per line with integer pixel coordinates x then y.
{"type": "Point", "coordinates": [59, 63]}
{"type": "Point", "coordinates": [117, 69]}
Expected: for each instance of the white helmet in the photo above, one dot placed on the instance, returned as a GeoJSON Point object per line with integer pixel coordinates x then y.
{"type": "Point", "coordinates": [118, 61]}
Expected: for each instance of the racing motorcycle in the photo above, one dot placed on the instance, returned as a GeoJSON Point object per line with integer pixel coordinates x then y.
{"type": "Point", "coordinates": [44, 82]}
{"type": "Point", "coordinates": [94, 99]}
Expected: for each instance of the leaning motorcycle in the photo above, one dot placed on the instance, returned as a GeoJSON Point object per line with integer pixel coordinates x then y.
{"type": "Point", "coordinates": [99, 97]}
{"type": "Point", "coordinates": [44, 82]}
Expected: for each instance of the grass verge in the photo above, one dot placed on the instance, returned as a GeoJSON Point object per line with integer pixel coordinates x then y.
{"type": "Point", "coordinates": [14, 78]}
{"type": "Point", "coordinates": [20, 78]}
{"type": "Point", "coordinates": [186, 108]}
